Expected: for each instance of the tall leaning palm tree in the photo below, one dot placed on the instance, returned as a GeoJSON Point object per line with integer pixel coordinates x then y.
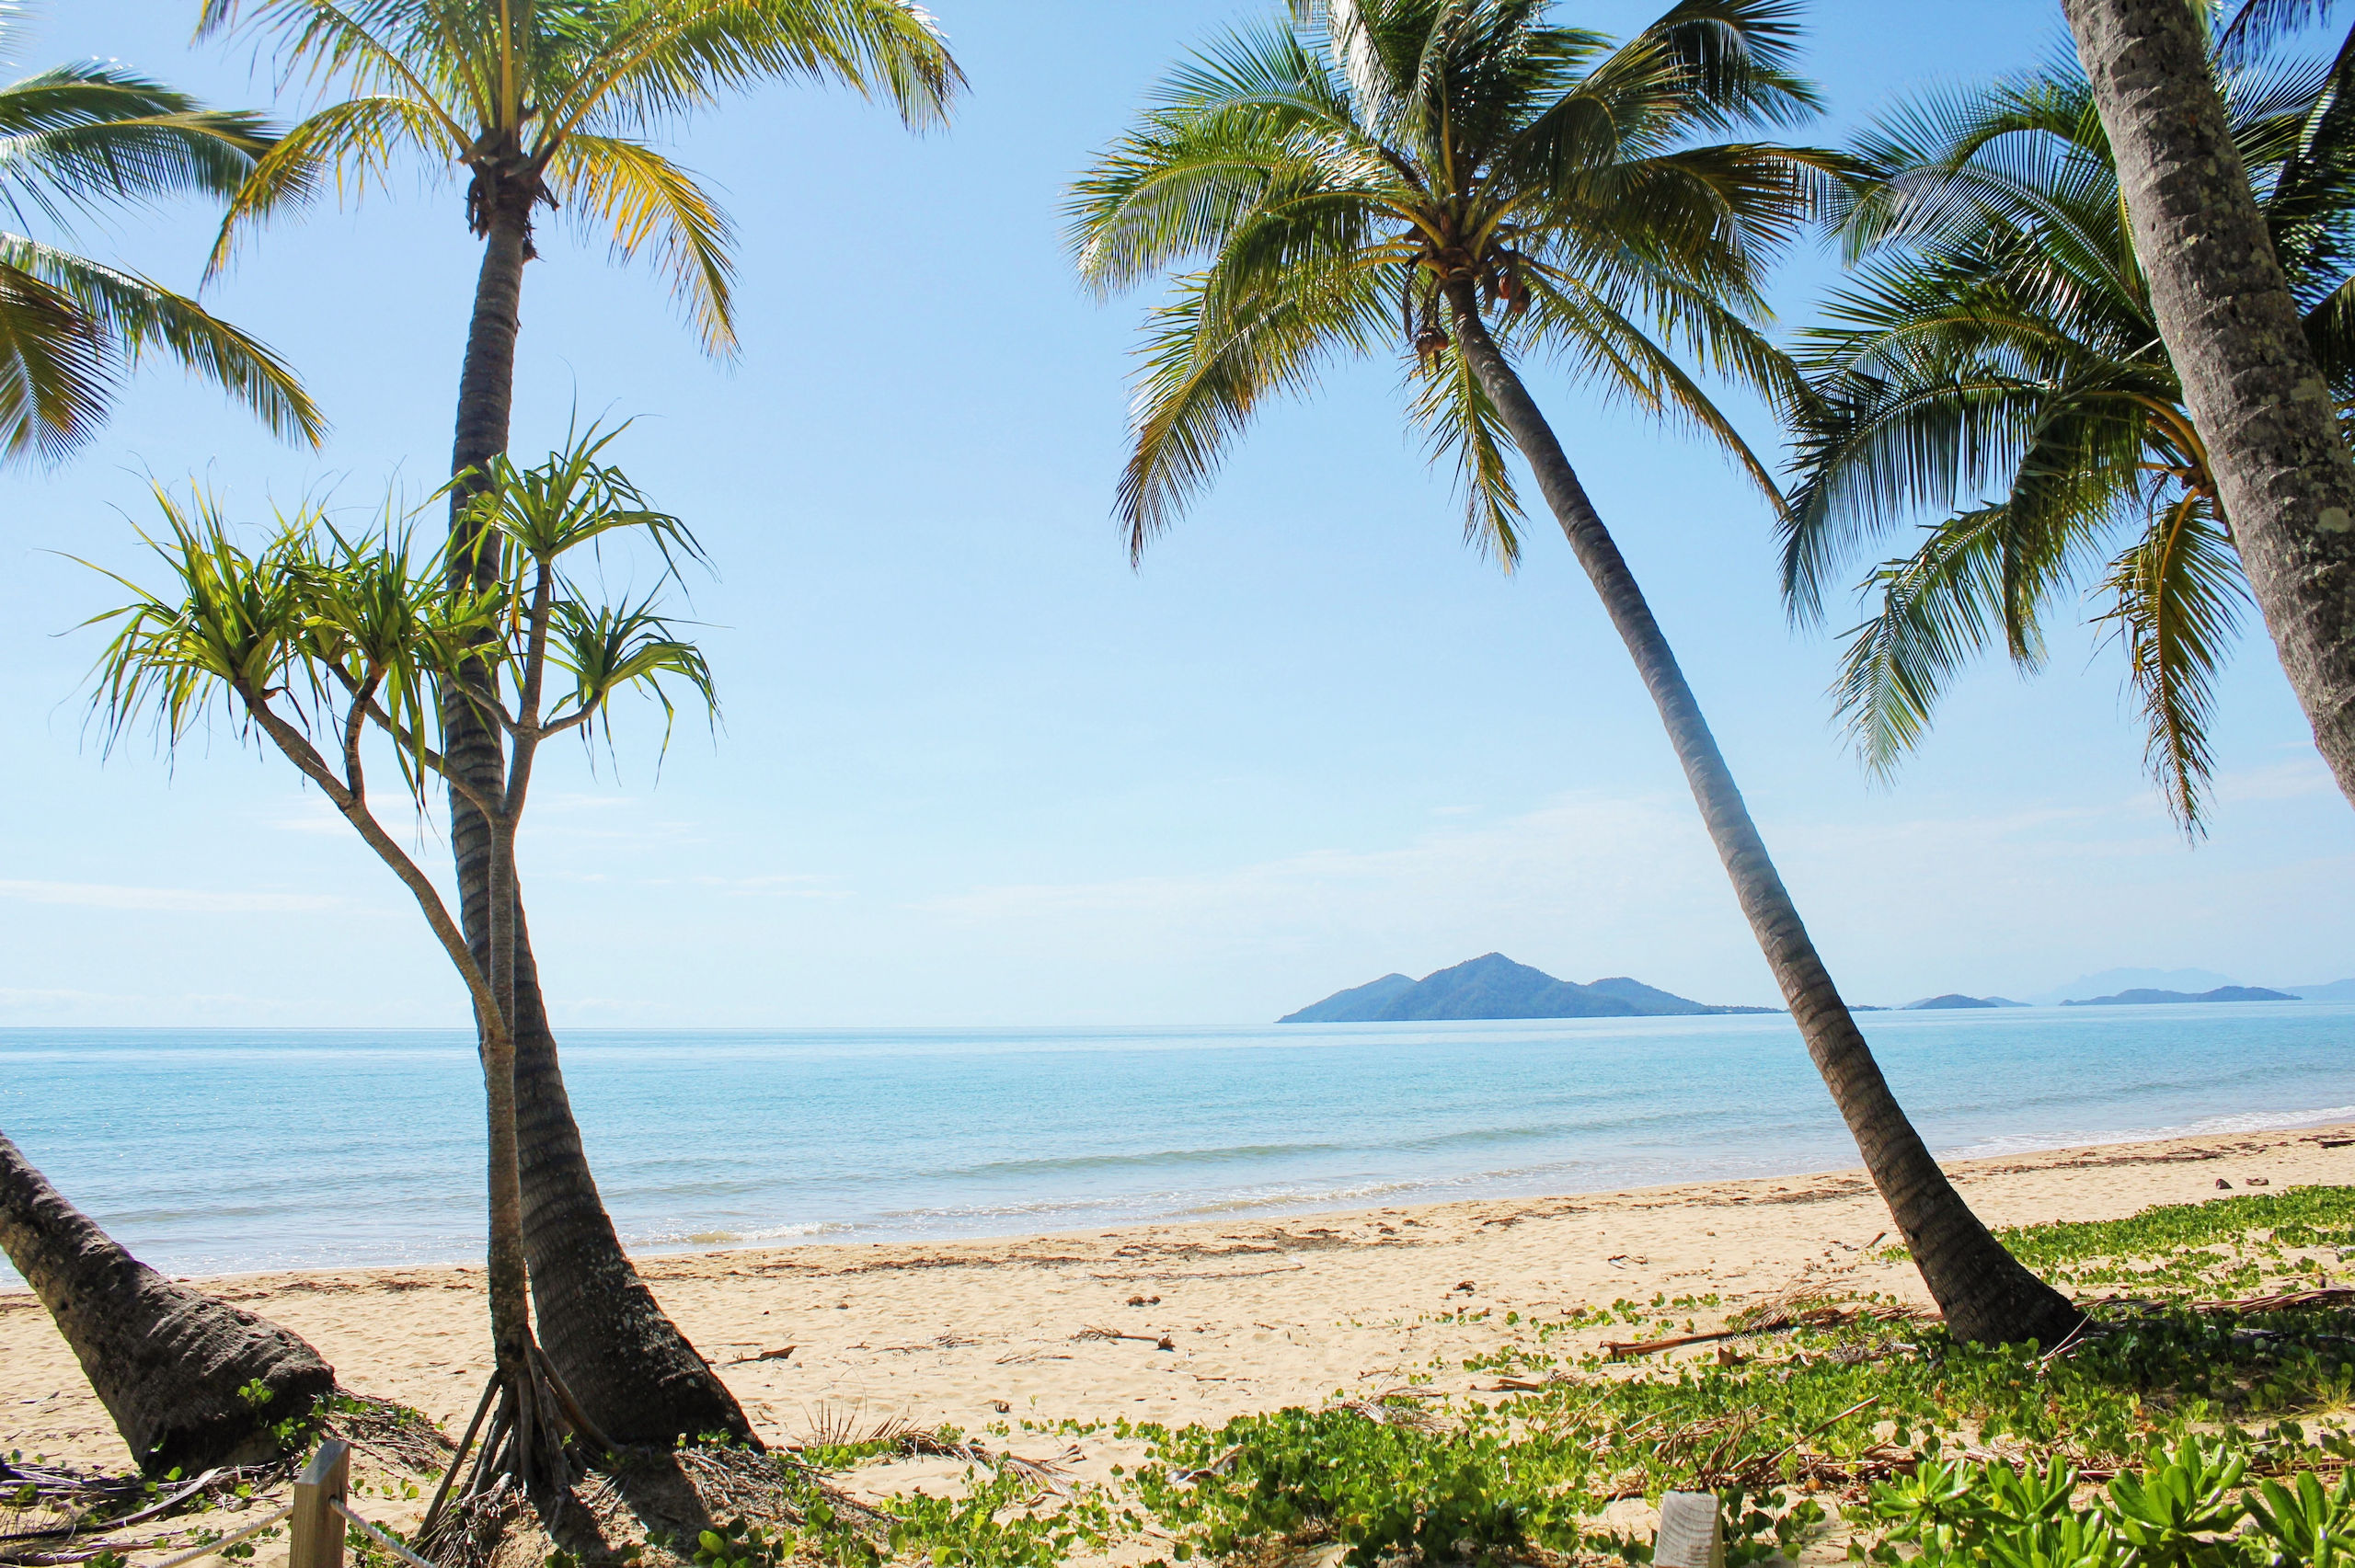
{"type": "Point", "coordinates": [550, 104]}
{"type": "Point", "coordinates": [2232, 324]}
{"type": "Point", "coordinates": [82, 138]}
{"type": "Point", "coordinates": [1462, 181]}
{"type": "Point", "coordinates": [1998, 365]}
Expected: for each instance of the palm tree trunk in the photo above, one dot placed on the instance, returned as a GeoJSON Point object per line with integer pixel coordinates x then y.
{"type": "Point", "coordinates": [633, 1371]}
{"type": "Point", "coordinates": [1986, 1295]}
{"type": "Point", "coordinates": [170, 1364]}
{"type": "Point", "coordinates": [599, 1322]}
{"type": "Point", "coordinates": [2234, 332]}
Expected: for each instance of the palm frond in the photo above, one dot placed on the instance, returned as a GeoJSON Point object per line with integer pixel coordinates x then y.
{"type": "Point", "coordinates": [669, 57]}
{"type": "Point", "coordinates": [1938, 609]}
{"type": "Point", "coordinates": [350, 148]}
{"type": "Point", "coordinates": [56, 376]}
{"type": "Point", "coordinates": [69, 324]}
{"type": "Point", "coordinates": [2176, 598]}
{"type": "Point", "coordinates": [1461, 425]}
{"type": "Point", "coordinates": [1207, 369]}
{"type": "Point", "coordinates": [80, 136]}
{"type": "Point", "coordinates": [623, 190]}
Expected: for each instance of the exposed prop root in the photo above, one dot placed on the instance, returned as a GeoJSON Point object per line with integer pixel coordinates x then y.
{"type": "Point", "coordinates": [521, 1456]}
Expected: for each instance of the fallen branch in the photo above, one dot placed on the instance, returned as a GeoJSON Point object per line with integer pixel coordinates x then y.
{"type": "Point", "coordinates": [1773, 1322]}
{"type": "Point", "coordinates": [1159, 1341]}
{"type": "Point", "coordinates": [2329, 1296]}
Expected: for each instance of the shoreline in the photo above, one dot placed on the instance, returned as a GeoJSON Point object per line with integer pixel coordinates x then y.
{"type": "Point", "coordinates": [1261, 1313]}
{"type": "Point", "coordinates": [831, 1234]}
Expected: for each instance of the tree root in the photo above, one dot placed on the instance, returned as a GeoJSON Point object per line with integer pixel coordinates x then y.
{"type": "Point", "coordinates": [522, 1455]}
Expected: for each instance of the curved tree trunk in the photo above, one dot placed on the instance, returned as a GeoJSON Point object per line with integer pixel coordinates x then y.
{"type": "Point", "coordinates": [633, 1371]}
{"type": "Point", "coordinates": [170, 1364]}
{"type": "Point", "coordinates": [1985, 1292]}
{"type": "Point", "coordinates": [2234, 332]}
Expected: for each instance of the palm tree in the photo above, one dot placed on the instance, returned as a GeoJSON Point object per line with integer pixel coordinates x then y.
{"type": "Point", "coordinates": [74, 140]}
{"type": "Point", "coordinates": [551, 103]}
{"type": "Point", "coordinates": [2228, 309]}
{"type": "Point", "coordinates": [2000, 342]}
{"type": "Point", "coordinates": [192, 1381]}
{"type": "Point", "coordinates": [314, 643]}
{"type": "Point", "coordinates": [1469, 178]}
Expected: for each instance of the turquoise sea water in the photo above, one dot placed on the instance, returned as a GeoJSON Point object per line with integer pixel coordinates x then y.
{"type": "Point", "coordinates": [219, 1150]}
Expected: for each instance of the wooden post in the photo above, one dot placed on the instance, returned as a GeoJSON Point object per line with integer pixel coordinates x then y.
{"type": "Point", "coordinates": [316, 1527]}
{"type": "Point", "coordinates": [1689, 1534]}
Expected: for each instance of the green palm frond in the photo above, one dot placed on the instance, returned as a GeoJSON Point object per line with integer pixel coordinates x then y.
{"type": "Point", "coordinates": [1205, 375]}
{"type": "Point", "coordinates": [673, 57]}
{"type": "Point", "coordinates": [232, 621]}
{"type": "Point", "coordinates": [1332, 186]}
{"type": "Point", "coordinates": [1462, 425]}
{"type": "Point", "coordinates": [80, 137]}
{"type": "Point", "coordinates": [76, 139]}
{"type": "Point", "coordinates": [70, 327]}
{"type": "Point", "coordinates": [1996, 341]}
{"type": "Point", "coordinates": [350, 147]}
{"type": "Point", "coordinates": [608, 650]}
{"type": "Point", "coordinates": [56, 376]}
{"type": "Point", "coordinates": [558, 101]}
{"type": "Point", "coordinates": [1934, 612]}
{"type": "Point", "coordinates": [641, 199]}
{"type": "Point", "coordinates": [2177, 597]}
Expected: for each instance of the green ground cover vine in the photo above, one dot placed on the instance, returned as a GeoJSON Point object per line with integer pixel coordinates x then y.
{"type": "Point", "coordinates": [2166, 1436]}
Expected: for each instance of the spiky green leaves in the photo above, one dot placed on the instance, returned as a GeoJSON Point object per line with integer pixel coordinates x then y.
{"type": "Point", "coordinates": [1310, 189]}
{"type": "Point", "coordinates": [344, 633]}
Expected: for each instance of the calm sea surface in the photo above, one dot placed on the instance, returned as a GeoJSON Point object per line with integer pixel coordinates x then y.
{"type": "Point", "coordinates": [217, 1150]}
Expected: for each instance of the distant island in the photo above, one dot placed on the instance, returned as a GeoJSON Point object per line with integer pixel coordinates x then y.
{"type": "Point", "coordinates": [2143, 996]}
{"type": "Point", "coordinates": [1956, 999]}
{"type": "Point", "coordinates": [1493, 985]}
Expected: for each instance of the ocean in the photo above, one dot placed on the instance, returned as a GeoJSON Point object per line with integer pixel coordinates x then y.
{"type": "Point", "coordinates": [211, 1151]}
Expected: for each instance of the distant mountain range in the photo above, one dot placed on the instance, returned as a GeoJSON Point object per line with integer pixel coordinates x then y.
{"type": "Point", "coordinates": [1493, 985]}
{"type": "Point", "coordinates": [2143, 996]}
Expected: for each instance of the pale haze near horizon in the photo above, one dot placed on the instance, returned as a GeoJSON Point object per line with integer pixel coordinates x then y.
{"type": "Point", "coordinates": [973, 769]}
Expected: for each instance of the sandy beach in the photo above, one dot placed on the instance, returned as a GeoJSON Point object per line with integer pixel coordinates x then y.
{"type": "Point", "coordinates": [1259, 1314]}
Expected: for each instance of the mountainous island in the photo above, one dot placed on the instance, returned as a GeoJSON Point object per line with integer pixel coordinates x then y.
{"type": "Point", "coordinates": [2143, 996]}
{"type": "Point", "coordinates": [1956, 999]}
{"type": "Point", "coordinates": [1493, 985]}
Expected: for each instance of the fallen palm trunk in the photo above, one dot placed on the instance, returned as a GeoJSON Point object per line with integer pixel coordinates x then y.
{"type": "Point", "coordinates": [191, 1382]}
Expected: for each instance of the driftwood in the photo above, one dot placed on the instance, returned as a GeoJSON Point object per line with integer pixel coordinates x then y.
{"type": "Point", "coordinates": [1159, 1341]}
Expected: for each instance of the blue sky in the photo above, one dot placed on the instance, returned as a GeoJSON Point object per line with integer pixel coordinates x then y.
{"type": "Point", "coordinates": [974, 768]}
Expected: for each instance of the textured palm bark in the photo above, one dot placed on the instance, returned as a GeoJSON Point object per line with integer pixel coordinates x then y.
{"type": "Point", "coordinates": [2234, 332]}
{"type": "Point", "coordinates": [1986, 1295]}
{"type": "Point", "coordinates": [168, 1363]}
{"type": "Point", "coordinates": [633, 1373]}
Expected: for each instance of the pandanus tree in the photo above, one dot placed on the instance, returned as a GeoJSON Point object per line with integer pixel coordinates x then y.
{"type": "Point", "coordinates": [1997, 364]}
{"type": "Point", "coordinates": [74, 141]}
{"type": "Point", "coordinates": [323, 649]}
{"type": "Point", "coordinates": [551, 104]}
{"type": "Point", "coordinates": [192, 1381]}
{"type": "Point", "coordinates": [1463, 182]}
